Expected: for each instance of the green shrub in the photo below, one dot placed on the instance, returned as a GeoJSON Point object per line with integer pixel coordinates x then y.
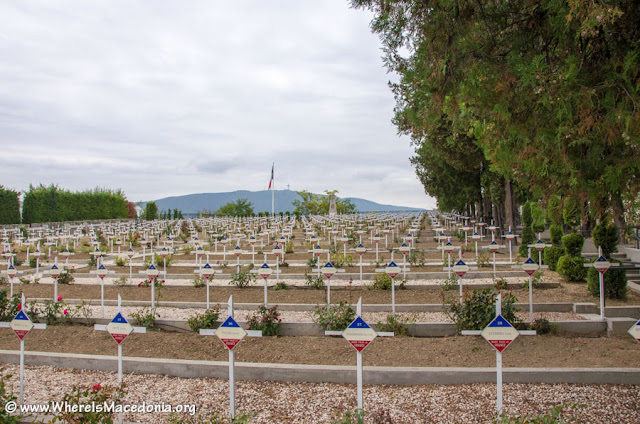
{"type": "Point", "coordinates": [551, 256]}
{"type": "Point", "coordinates": [479, 309]}
{"type": "Point", "coordinates": [288, 247]}
{"type": "Point", "coordinates": [9, 307]}
{"type": "Point", "coordinates": [315, 282]}
{"type": "Point", "coordinates": [200, 281]}
{"type": "Point", "coordinates": [122, 281]}
{"type": "Point", "coordinates": [543, 326]}
{"type": "Point", "coordinates": [555, 416]}
{"type": "Point", "coordinates": [33, 262]}
{"type": "Point", "coordinates": [484, 260]}
{"type": "Point", "coordinates": [536, 280]}
{"type": "Point", "coordinates": [501, 284]}
{"type": "Point", "coordinates": [416, 257]}
{"type": "Point", "coordinates": [381, 281]}
{"type": "Point", "coordinates": [7, 396]}
{"type": "Point", "coordinates": [244, 277]}
{"type": "Point", "coordinates": [334, 317]}
{"type": "Point", "coordinates": [207, 319]}
{"type": "Point", "coordinates": [556, 235]}
{"type": "Point", "coordinates": [573, 244]}
{"type": "Point", "coordinates": [397, 324]}
{"type": "Point", "coordinates": [98, 395]}
{"type": "Point", "coordinates": [606, 236]}
{"type": "Point", "coordinates": [280, 286]}
{"type": "Point", "coordinates": [54, 312]}
{"type": "Point", "coordinates": [160, 261]}
{"type": "Point", "coordinates": [313, 262]}
{"type": "Point", "coordinates": [615, 283]}
{"type": "Point", "coordinates": [449, 283]}
{"type": "Point", "coordinates": [144, 318]}
{"type": "Point", "coordinates": [537, 218]}
{"type": "Point", "coordinates": [120, 261]}
{"type": "Point", "coordinates": [350, 417]}
{"type": "Point", "coordinates": [267, 320]}
{"type": "Point", "coordinates": [66, 277]}
{"type": "Point", "coordinates": [571, 268]}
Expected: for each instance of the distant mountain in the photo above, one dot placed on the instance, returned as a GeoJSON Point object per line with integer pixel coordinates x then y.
{"type": "Point", "coordinates": [194, 203]}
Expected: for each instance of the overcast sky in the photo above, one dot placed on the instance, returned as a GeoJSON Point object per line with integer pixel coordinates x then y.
{"type": "Point", "coordinates": [163, 98]}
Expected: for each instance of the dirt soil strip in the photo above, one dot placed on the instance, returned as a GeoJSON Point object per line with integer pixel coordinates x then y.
{"type": "Point", "coordinates": [275, 402]}
{"type": "Point", "coordinates": [459, 351]}
{"type": "Point", "coordinates": [255, 294]}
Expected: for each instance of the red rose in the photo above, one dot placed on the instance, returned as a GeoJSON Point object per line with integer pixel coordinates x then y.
{"type": "Point", "coordinates": [96, 387]}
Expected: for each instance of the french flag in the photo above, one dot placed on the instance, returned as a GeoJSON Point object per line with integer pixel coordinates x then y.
{"type": "Point", "coordinates": [271, 180]}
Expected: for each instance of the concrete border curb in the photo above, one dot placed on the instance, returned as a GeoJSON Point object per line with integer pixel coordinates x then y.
{"type": "Point", "coordinates": [327, 373]}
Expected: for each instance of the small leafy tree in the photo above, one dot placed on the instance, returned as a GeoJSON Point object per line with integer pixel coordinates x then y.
{"type": "Point", "coordinates": [240, 207]}
{"type": "Point", "coordinates": [151, 211]}
{"type": "Point", "coordinates": [478, 309]}
{"type": "Point", "coordinates": [605, 235]}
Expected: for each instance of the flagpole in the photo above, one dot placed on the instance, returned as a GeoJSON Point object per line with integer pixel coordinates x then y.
{"type": "Point", "coordinates": [273, 186]}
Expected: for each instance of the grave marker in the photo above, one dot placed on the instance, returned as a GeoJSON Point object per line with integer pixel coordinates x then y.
{"type": "Point", "coordinates": [530, 267]}
{"type": "Point", "coordinates": [207, 272]}
{"type": "Point", "coordinates": [101, 272]}
{"type": "Point", "coordinates": [230, 334]}
{"type": "Point", "coordinates": [265, 272]}
{"type": "Point", "coordinates": [601, 265]}
{"type": "Point", "coordinates": [499, 333]}
{"type": "Point", "coordinates": [328, 270]}
{"type": "Point", "coordinates": [360, 335]}
{"type": "Point", "coordinates": [21, 325]}
{"type": "Point", "coordinates": [119, 329]}
{"type": "Point", "coordinates": [11, 273]}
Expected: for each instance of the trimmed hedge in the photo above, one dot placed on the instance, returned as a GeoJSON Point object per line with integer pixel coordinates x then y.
{"type": "Point", "coordinates": [9, 207]}
{"type": "Point", "coordinates": [52, 204]}
{"type": "Point", "coordinates": [615, 283]}
{"type": "Point", "coordinates": [572, 268]}
{"type": "Point", "coordinates": [551, 255]}
{"type": "Point", "coordinates": [573, 244]}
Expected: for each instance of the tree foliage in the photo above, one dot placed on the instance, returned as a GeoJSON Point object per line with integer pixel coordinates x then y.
{"type": "Point", "coordinates": [547, 92]}
{"type": "Point", "coordinates": [312, 203]}
{"type": "Point", "coordinates": [240, 207]}
{"type": "Point", "coordinates": [53, 204]}
{"type": "Point", "coordinates": [150, 211]}
{"type": "Point", "coordinates": [9, 206]}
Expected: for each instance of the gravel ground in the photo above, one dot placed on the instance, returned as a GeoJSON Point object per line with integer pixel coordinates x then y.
{"type": "Point", "coordinates": [277, 402]}
{"type": "Point", "coordinates": [182, 314]}
{"type": "Point", "coordinates": [219, 281]}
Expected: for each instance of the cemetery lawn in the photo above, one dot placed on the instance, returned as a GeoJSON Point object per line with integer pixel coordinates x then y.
{"type": "Point", "coordinates": [458, 351]}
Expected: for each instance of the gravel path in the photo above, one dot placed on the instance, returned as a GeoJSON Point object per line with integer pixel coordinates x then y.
{"type": "Point", "coordinates": [224, 282]}
{"type": "Point", "coordinates": [277, 402]}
